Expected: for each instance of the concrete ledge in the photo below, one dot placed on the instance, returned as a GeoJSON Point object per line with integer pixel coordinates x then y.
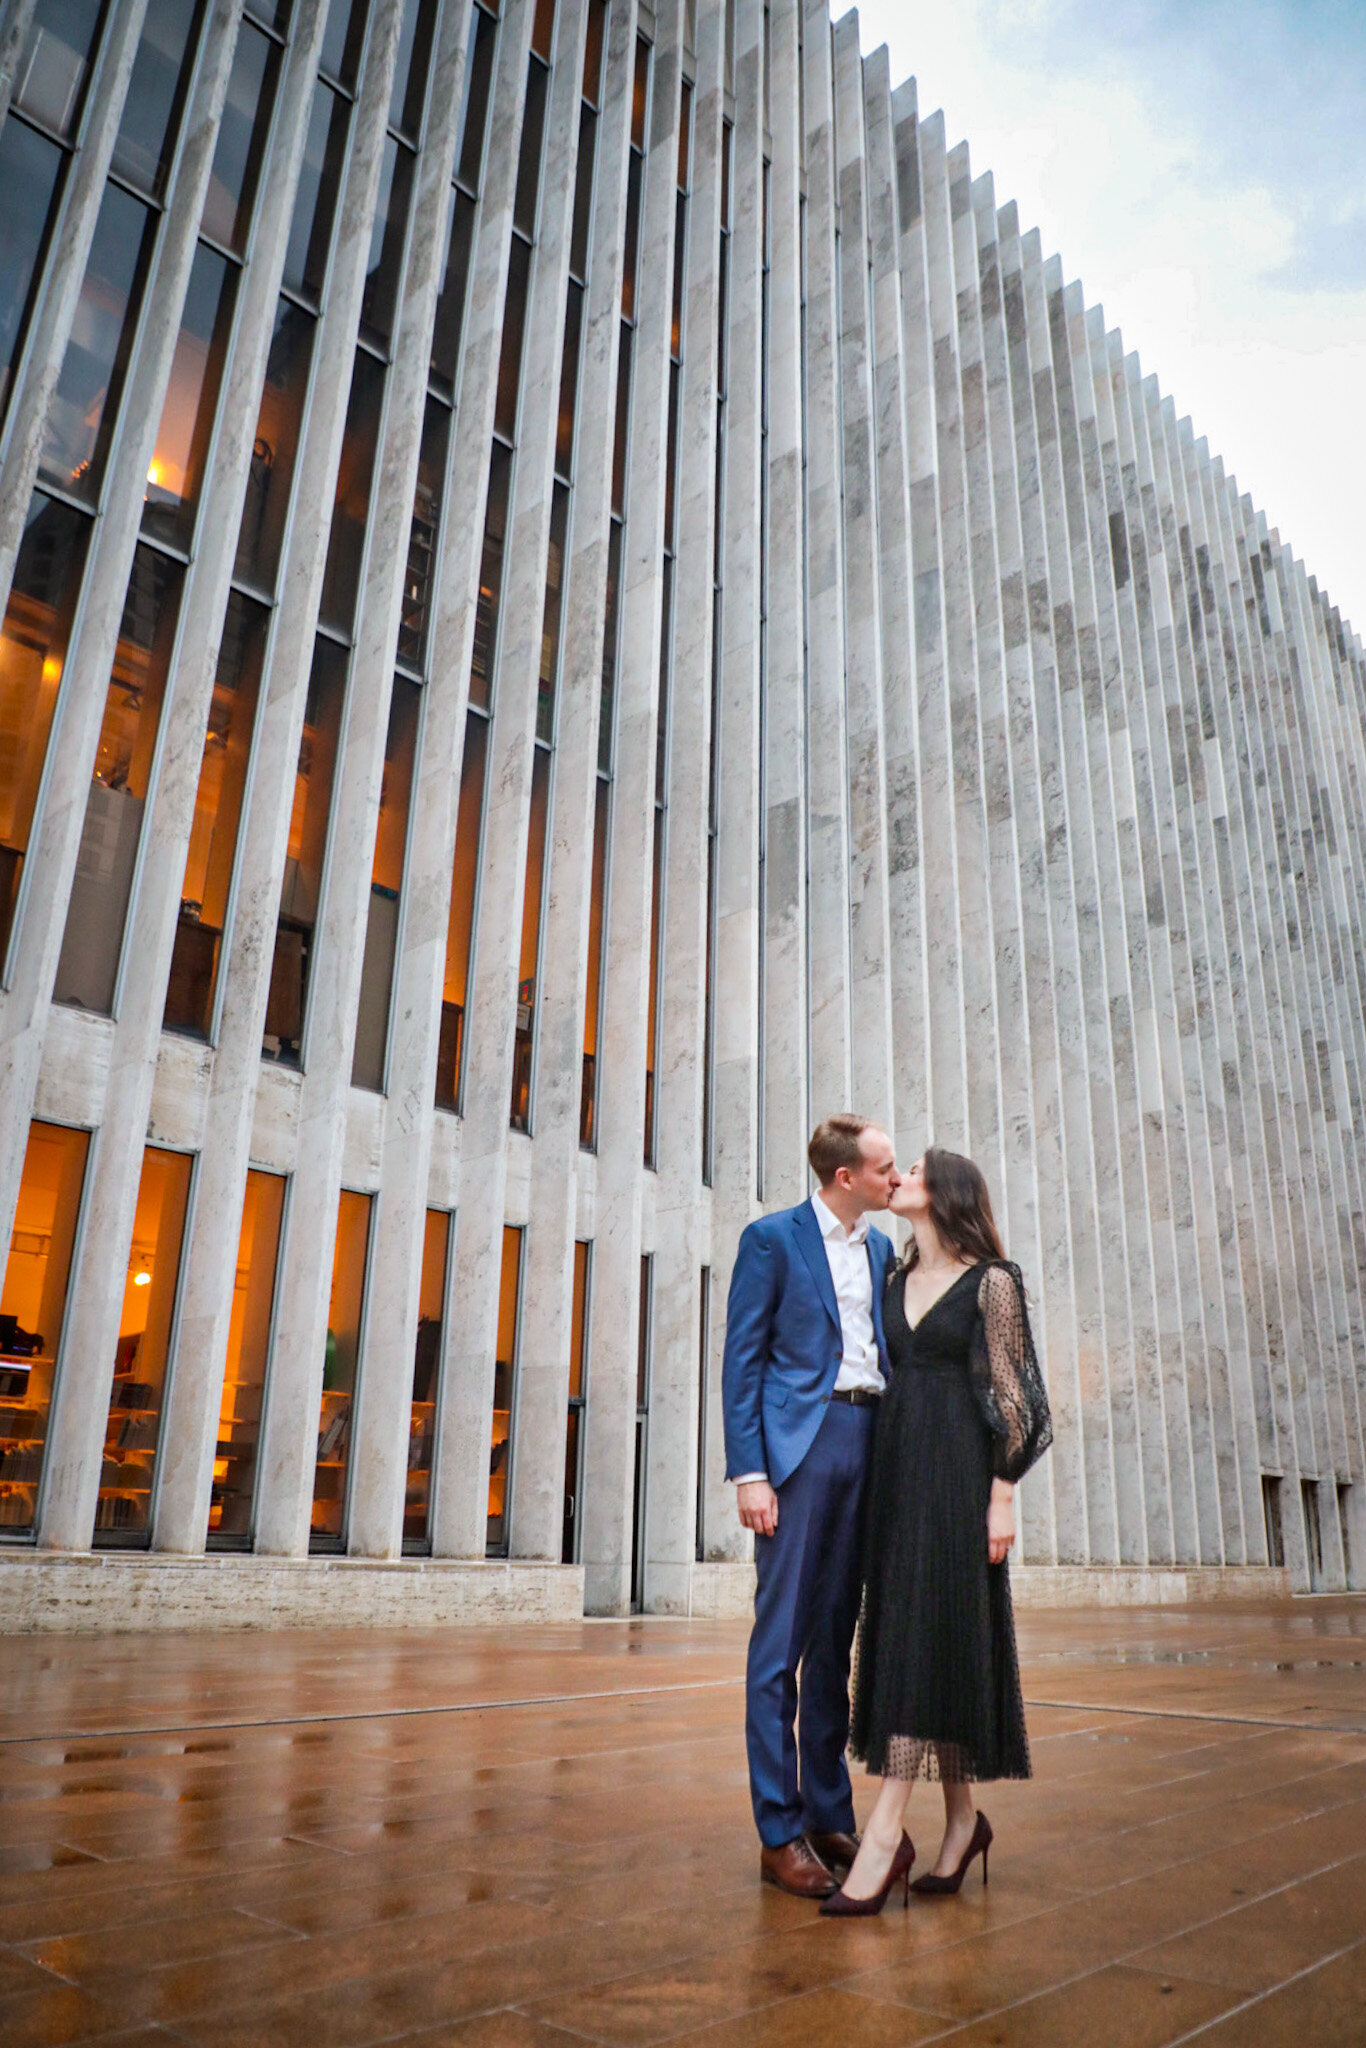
{"type": "Point", "coordinates": [703, 1592]}
{"type": "Point", "coordinates": [1049, 1585]}
{"type": "Point", "coordinates": [120, 1592]}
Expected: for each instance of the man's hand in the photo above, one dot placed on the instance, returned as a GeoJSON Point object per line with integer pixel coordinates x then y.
{"type": "Point", "coordinates": [758, 1505]}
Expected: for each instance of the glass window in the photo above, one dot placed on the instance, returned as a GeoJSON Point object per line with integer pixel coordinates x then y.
{"type": "Point", "coordinates": [594, 40]}
{"type": "Point", "coordinates": [573, 1437]}
{"type": "Point", "coordinates": [156, 94]}
{"type": "Point", "coordinates": [531, 939]}
{"type": "Point", "coordinates": [50, 78]}
{"type": "Point", "coordinates": [490, 575]}
{"type": "Point", "coordinates": [385, 264]}
{"type": "Point", "coordinates": [386, 886]}
{"type": "Point", "coordinates": [419, 580]}
{"type": "Point", "coordinates": [514, 330]}
{"type": "Point", "coordinates": [630, 255]}
{"type": "Point", "coordinates": [32, 1308]}
{"type": "Point", "coordinates": [640, 93]}
{"type": "Point", "coordinates": [33, 643]}
{"type": "Point", "coordinates": [177, 468]}
{"type": "Point", "coordinates": [504, 1392]}
{"type": "Point", "coordinates": [81, 418]}
{"type": "Point", "coordinates": [569, 380]}
{"type": "Point", "coordinates": [588, 1097]}
{"type": "Point", "coordinates": [684, 134]}
{"type": "Point", "coordinates": [241, 138]}
{"type": "Point", "coordinates": [460, 926]}
{"type": "Point", "coordinates": [529, 155]}
{"type": "Point", "coordinates": [431, 1311]}
{"type": "Point", "coordinates": [340, 1360]}
{"type": "Point", "coordinates": [474, 113]}
{"type": "Point", "coordinates": [315, 200]}
{"type": "Point", "coordinates": [642, 1425]}
{"type": "Point", "coordinates": [410, 69]}
{"type": "Point", "coordinates": [550, 617]}
{"type": "Point", "coordinates": [652, 996]}
{"type": "Point", "coordinates": [680, 271]}
{"type": "Point", "coordinates": [93, 941]}
{"type": "Point", "coordinates": [342, 38]}
{"type": "Point", "coordinates": [30, 172]}
{"type": "Point", "coordinates": [583, 193]}
{"type": "Point", "coordinates": [124, 1507]}
{"type": "Point", "coordinates": [623, 422]}
{"type": "Point", "coordinates": [543, 28]}
{"type": "Point", "coordinates": [217, 812]}
{"type": "Point", "coordinates": [450, 306]}
{"type": "Point", "coordinates": [609, 648]}
{"type": "Point", "coordinates": [346, 543]}
{"type": "Point", "coordinates": [278, 424]}
{"type": "Point", "coordinates": [301, 888]}
{"type": "Point", "coordinates": [244, 1379]}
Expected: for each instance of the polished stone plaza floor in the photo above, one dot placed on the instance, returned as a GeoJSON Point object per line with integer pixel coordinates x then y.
{"type": "Point", "coordinates": [522, 1839]}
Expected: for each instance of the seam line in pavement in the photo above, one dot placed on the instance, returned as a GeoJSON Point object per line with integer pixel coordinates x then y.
{"type": "Point", "coordinates": [626, 1692]}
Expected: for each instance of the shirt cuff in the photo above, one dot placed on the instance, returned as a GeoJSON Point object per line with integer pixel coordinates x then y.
{"type": "Point", "coordinates": [749, 1478]}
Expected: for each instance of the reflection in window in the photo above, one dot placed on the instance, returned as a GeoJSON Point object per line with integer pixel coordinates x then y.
{"type": "Point", "coordinates": [490, 574]}
{"type": "Point", "coordinates": [514, 332]}
{"type": "Point", "coordinates": [384, 265]}
{"type": "Point", "coordinates": [315, 201]}
{"type": "Point", "coordinates": [95, 916]}
{"type": "Point", "coordinates": [419, 579]}
{"type": "Point", "coordinates": [573, 1435]}
{"type": "Point", "coordinates": [51, 75]}
{"type": "Point", "coordinates": [301, 888]}
{"type": "Point", "coordinates": [569, 380]}
{"type": "Point", "coordinates": [84, 405]}
{"type": "Point", "coordinates": [460, 927]}
{"type": "Point", "coordinates": [340, 1359]}
{"type": "Point", "coordinates": [241, 138]}
{"type": "Point", "coordinates": [595, 39]}
{"type": "Point", "coordinates": [346, 544]}
{"type": "Point", "coordinates": [124, 1507]}
{"type": "Point", "coordinates": [30, 169]}
{"type": "Point", "coordinates": [529, 156]}
{"type": "Point", "coordinates": [33, 643]}
{"type": "Point", "coordinates": [342, 38]}
{"type": "Point", "coordinates": [217, 811]}
{"type": "Point", "coordinates": [531, 940]}
{"type": "Point", "coordinates": [32, 1307]}
{"type": "Point", "coordinates": [410, 67]}
{"type": "Point", "coordinates": [588, 1098]}
{"type": "Point", "coordinates": [177, 469]}
{"type": "Point", "coordinates": [474, 113]}
{"type": "Point", "coordinates": [609, 647]}
{"type": "Point", "coordinates": [278, 425]}
{"type": "Point", "coordinates": [504, 1392]}
{"type": "Point", "coordinates": [386, 887]}
{"type": "Point", "coordinates": [431, 1310]}
{"type": "Point", "coordinates": [450, 306]}
{"type": "Point", "coordinates": [156, 94]}
{"type": "Point", "coordinates": [244, 1380]}
{"type": "Point", "coordinates": [583, 194]}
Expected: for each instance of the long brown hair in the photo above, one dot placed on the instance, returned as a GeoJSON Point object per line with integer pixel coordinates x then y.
{"type": "Point", "coordinates": [960, 1209]}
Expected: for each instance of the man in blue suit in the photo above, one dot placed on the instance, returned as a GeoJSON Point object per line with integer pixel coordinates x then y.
{"type": "Point", "coordinates": [805, 1363]}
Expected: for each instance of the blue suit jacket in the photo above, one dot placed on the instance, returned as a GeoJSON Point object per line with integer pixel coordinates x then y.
{"type": "Point", "coordinates": [783, 1340]}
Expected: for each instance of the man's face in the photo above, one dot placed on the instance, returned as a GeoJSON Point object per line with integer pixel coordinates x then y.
{"type": "Point", "coordinates": [876, 1177]}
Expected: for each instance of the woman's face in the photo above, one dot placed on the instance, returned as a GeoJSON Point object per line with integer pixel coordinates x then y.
{"type": "Point", "coordinates": [911, 1197]}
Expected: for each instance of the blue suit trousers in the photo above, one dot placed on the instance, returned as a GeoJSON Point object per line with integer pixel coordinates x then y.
{"type": "Point", "coordinates": [806, 1607]}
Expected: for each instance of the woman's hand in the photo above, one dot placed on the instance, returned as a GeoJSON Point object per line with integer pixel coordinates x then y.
{"type": "Point", "coordinates": [1000, 1521]}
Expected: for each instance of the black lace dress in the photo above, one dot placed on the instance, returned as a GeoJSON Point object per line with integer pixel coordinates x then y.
{"type": "Point", "coordinates": [936, 1684]}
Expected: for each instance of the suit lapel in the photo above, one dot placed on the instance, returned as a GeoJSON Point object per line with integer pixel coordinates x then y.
{"type": "Point", "coordinates": [877, 1271]}
{"type": "Point", "coordinates": [807, 1232]}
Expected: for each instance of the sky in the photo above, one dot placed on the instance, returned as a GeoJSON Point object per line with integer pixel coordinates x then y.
{"type": "Point", "coordinates": [1200, 165]}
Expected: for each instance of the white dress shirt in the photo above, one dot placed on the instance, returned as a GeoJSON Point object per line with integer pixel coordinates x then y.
{"type": "Point", "coordinates": [847, 1255]}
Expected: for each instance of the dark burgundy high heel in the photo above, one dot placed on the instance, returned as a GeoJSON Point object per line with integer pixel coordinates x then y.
{"type": "Point", "coordinates": [935, 1887]}
{"type": "Point", "coordinates": [839, 1906]}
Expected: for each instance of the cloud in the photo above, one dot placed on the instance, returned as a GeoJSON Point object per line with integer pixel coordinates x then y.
{"type": "Point", "coordinates": [1201, 166]}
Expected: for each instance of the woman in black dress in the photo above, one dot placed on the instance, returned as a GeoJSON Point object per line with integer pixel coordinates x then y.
{"type": "Point", "coordinates": [937, 1685]}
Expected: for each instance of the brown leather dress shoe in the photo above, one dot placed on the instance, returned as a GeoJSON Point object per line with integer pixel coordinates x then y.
{"type": "Point", "coordinates": [836, 1851]}
{"type": "Point", "coordinates": [796, 1868]}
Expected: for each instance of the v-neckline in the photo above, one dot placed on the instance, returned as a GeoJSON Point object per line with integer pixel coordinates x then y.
{"type": "Point", "coordinates": [943, 1295]}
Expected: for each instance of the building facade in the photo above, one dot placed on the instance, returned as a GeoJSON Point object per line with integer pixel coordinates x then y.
{"type": "Point", "coordinates": [576, 596]}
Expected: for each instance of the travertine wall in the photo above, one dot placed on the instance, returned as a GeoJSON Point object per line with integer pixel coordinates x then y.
{"type": "Point", "coordinates": [1012, 779]}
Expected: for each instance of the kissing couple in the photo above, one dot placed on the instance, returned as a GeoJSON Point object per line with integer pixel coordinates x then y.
{"type": "Point", "coordinates": [878, 1414]}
